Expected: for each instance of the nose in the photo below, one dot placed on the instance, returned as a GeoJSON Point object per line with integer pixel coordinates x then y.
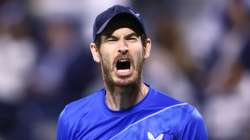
{"type": "Point", "coordinates": [123, 47]}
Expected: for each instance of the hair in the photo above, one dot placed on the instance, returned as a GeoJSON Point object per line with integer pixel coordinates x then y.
{"type": "Point", "coordinates": [119, 21]}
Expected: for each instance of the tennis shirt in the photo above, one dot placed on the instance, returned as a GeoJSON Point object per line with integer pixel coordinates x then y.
{"type": "Point", "coordinates": [156, 117]}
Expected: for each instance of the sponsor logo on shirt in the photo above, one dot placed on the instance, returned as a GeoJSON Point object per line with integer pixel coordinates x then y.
{"type": "Point", "coordinates": [151, 137]}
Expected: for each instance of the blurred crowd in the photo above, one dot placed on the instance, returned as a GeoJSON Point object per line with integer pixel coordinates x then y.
{"type": "Point", "coordinates": [200, 54]}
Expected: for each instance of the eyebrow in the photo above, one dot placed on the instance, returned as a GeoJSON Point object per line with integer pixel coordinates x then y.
{"type": "Point", "coordinates": [127, 36]}
{"type": "Point", "coordinates": [131, 34]}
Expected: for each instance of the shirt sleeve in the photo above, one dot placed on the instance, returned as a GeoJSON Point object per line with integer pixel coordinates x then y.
{"type": "Point", "coordinates": [63, 127]}
{"type": "Point", "coordinates": [195, 128]}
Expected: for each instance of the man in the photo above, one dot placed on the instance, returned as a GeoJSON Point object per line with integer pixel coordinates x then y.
{"type": "Point", "coordinates": [127, 108]}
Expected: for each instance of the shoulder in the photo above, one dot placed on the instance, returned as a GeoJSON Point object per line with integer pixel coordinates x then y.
{"type": "Point", "coordinates": [169, 106]}
{"type": "Point", "coordinates": [187, 119]}
{"type": "Point", "coordinates": [192, 126]}
{"type": "Point", "coordinates": [183, 111]}
{"type": "Point", "coordinates": [73, 113]}
{"type": "Point", "coordinates": [162, 99]}
{"type": "Point", "coordinates": [77, 109]}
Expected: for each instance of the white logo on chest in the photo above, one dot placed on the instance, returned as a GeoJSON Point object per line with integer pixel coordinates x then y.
{"type": "Point", "coordinates": [151, 137]}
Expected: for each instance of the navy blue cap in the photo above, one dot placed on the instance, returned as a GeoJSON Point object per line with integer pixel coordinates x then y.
{"type": "Point", "coordinates": [103, 19]}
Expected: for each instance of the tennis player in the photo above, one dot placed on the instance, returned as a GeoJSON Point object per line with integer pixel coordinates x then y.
{"type": "Point", "coordinates": [126, 108]}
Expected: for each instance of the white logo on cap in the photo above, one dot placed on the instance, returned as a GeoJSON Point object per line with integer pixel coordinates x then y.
{"type": "Point", "coordinates": [136, 14]}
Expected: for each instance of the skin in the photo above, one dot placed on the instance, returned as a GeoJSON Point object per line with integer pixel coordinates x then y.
{"type": "Point", "coordinates": [123, 89]}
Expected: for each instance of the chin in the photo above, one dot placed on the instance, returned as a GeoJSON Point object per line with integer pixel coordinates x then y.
{"type": "Point", "coordinates": [126, 81]}
{"type": "Point", "coordinates": [112, 79]}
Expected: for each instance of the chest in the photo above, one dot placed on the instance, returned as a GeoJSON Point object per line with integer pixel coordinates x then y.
{"type": "Point", "coordinates": [133, 127]}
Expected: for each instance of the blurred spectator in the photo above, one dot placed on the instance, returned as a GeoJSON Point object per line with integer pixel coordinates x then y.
{"type": "Point", "coordinates": [65, 56]}
{"type": "Point", "coordinates": [227, 110]}
{"type": "Point", "coordinates": [85, 10]}
{"type": "Point", "coordinates": [17, 58]}
{"type": "Point", "coordinates": [62, 73]}
{"type": "Point", "coordinates": [227, 49]}
{"type": "Point", "coordinates": [170, 65]}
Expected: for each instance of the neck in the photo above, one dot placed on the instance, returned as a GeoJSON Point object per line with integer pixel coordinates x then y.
{"type": "Point", "coordinates": [124, 97]}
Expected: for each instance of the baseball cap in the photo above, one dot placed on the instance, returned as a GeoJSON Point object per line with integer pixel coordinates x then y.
{"type": "Point", "coordinates": [104, 18]}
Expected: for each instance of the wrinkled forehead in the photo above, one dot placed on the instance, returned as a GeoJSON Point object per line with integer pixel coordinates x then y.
{"type": "Point", "coordinates": [123, 32]}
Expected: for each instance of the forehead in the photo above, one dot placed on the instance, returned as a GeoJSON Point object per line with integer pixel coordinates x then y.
{"type": "Point", "coordinates": [123, 31]}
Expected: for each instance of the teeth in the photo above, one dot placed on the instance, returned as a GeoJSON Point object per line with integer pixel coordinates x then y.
{"type": "Point", "coordinates": [123, 60]}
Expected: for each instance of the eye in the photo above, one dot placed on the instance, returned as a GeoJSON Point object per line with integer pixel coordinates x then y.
{"type": "Point", "coordinates": [111, 39]}
{"type": "Point", "coordinates": [132, 38]}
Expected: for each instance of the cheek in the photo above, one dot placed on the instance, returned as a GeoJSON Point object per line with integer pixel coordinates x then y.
{"type": "Point", "coordinates": [106, 60]}
{"type": "Point", "coordinates": [139, 53]}
{"type": "Point", "coordinates": [138, 57]}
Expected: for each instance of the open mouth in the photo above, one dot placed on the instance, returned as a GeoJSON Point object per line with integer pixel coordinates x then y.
{"type": "Point", "coordinates": [123, 64]}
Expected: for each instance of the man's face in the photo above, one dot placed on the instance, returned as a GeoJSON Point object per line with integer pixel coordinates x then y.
{"type": "Point", "coordinates": [122, 56]}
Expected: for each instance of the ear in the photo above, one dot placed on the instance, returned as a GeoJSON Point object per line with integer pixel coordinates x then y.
{"type": "Point", "coordinates": [147, 48]}
{"type": "Point", "coordinates": [95, 52]}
